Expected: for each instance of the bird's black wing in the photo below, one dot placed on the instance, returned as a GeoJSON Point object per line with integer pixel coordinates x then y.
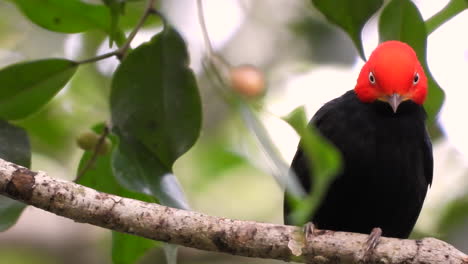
{"type": "Point", "coordinates": [428, 159]}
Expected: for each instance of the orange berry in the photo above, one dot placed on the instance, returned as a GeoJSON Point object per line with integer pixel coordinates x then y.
{"type": "Point", "coordinates": [247, 80]}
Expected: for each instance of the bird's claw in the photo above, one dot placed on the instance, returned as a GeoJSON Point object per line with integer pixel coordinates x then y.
{"type": "Point", "coordinates": [308, 230]}
{"type": "Point", "coordinates": [372, 241]}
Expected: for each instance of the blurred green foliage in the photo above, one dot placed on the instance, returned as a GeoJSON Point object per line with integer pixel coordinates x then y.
{"type": "Point", "coordinates": [12, 256]}
{"type": "Point", "coordinates": [327, 163]}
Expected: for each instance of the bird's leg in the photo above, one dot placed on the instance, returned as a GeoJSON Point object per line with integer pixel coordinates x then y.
{"type": "Point", "coordinates": [372, 241]}
{"type": "Point", "coordinates": [308, 230]}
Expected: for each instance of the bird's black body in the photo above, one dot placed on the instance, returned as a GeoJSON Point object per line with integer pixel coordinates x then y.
{"type": "Point", "coordinates": [387, 166]}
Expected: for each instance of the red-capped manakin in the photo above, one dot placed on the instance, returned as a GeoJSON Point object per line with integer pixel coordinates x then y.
{"type": "Point", "coordinates": [379, 127]}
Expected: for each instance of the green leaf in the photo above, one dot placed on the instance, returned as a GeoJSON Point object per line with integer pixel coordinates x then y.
{"type": "Point", "coordinates": [401, 20]}
{"type": "Point", "coordinates": [26, 87]}
{"type": "Point", "coordinates": [326, 160]}
{"type": "Point", "coordinates": [349, 16]}
{"type": "Point", "coordinates": [155, 100]}
{"type": "Point", "coordinates": [14, 147]}
{"type": "Point", "coordinates": [126, 249]}
{"type": "Point", "coordinates": [116, 8]}
{"type": "Point", "coordinates": [453, 8]}
{"type": "Point", "coordinates": [156, 113]}
{"type": "Point", "coordinates": [138, 169]}
{"type": "Point", "coordinates": [65, 16]}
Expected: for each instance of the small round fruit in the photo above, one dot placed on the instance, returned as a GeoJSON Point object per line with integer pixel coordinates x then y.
{"type": "Point", "coordinates": [87, 140]}
{"type": "Point", "coordinates": [247, 80]}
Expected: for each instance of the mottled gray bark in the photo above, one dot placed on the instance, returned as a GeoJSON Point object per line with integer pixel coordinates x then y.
{"type": "Point", "coordinates": [192, 229]}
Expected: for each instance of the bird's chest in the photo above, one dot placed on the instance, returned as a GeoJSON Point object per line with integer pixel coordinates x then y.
{"type": "Point", "coordinates": [385, 155]}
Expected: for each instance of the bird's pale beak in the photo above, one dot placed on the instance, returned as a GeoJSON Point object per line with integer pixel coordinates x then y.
{"type": "Point", "coordinates": [395, 100]}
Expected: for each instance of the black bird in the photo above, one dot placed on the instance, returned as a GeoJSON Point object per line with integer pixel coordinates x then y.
{"type": "Point", "coordinates": [379, 127]}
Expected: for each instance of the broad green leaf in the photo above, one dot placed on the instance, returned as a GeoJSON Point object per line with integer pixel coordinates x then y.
{"type": "Point", "coordinates": [26, 87]}
{"type": "Point", "coordinates": [126, 249]}
{"type": "Point", "coordinates": [14, 147]}
{"type": "Point", "coordinates": [401, 20]}
{"type": "Point", "coordinates": [65, 16]}
{"type": "Point", "coordinates": [138, 169]}
{"type": "Point", "coordinates": [325, 160]}
{"type": "Point", "coordinates": [154, 98]}
{"type": "Point", "coordinates": [349, 16]}
{"type": "Point", "coordinates": [156, 113]}
{"type": "Point", "coordinates": [453, 8]}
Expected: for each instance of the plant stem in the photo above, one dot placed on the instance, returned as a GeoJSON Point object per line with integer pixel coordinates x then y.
{"type": "Point", "coordinates": [149, 9]}
{"type": "Point", "coordinates": [122, 51]}
{"type": "Point", "coordinates": [201, 19]}
{"type": "Point", "coordinates": [98, 58]}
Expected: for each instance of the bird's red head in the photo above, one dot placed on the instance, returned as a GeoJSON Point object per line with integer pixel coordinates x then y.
{"type": "Point", "coordinates": [392, 74]}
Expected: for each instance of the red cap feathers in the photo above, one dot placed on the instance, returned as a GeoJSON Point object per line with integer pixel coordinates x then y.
{"type": "Point", "coordinates": [392, 69]}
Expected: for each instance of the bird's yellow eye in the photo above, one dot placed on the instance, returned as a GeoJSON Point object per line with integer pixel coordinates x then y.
{"type": "Point", "coordinates": [416, 78]}
{"type": "Point", "coordinates": [371, 78]}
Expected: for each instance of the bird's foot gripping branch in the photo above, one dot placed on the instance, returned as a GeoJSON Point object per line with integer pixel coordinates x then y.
{"type": "Point", "coordinates": [192, 229]}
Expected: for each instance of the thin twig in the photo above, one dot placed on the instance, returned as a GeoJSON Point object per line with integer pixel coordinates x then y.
{"type": "Point", "coordinates": [98, 58]}
{"type": "Point", "coordinates": [121, 52]}
{"type": "Point", "coordinates": [201, 19]}
{"type": "Point", "coordinates": [215, 80]}
{"type": "Point", "coordinates": [148, 10]}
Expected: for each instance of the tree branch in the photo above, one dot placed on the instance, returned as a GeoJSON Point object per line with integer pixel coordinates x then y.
{"type": "Point", "coordinates": [196, 230]}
